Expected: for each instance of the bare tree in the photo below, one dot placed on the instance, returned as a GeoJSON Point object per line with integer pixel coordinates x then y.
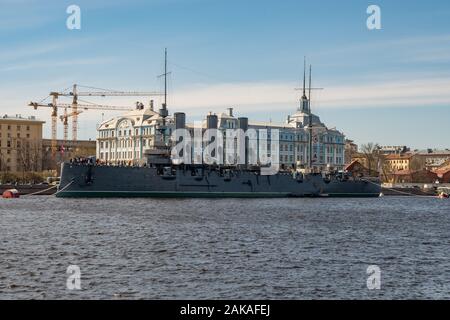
{"type": "Point", "coordinates": [29, 156]}
{"type": "Point", "coordinates": [386, 170]}
{"type": "Point", "coordinates": [371, 153]}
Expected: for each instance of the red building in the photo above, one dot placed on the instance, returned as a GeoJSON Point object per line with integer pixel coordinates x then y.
{"type": "Point", "coordinates": [443, 173]}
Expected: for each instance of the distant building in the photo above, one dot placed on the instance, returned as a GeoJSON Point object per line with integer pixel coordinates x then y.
{"type": "Point", "coordinates": [412, 176]}
{"type": "Point", "coordinates": [398, 162]}
{"type": "Point", "coordinates": [386, 150]}
{"type": "Point", "coordinates": [359, 157]}
{"type": "Point", "coordinates": [443, 172]}
{"type": "Point", "coordinates": [351, 149]}
{"type": "Point", "coordinates": [20, 144]}
{"type": "Point", "coordinates": [125, 138]}
{"type": "Point", "coordinates": [432, 158]}
{"type": "Point", "coordinates": [65, 150]}
{"type": "Point", "coordinates": [356, 168]}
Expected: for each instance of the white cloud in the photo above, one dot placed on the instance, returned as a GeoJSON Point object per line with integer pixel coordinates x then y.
{"type": "Point", "coordinates": [263, 96]}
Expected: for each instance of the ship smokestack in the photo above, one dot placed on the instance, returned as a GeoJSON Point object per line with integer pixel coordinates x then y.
{"type": "Point", "coordinates": [243, 123]}
{"type": "Point", "coordinates": [211, 121]}
{"type": "Point", "coordinates": [180, 120]}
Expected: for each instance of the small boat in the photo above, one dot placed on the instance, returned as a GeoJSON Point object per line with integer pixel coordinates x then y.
{"type": "Point", "coordinates": [443, 195]}
{"type": "Point", "coordinates": [443, 192]}
{"type": "Point", "coordinates": [11, 193]}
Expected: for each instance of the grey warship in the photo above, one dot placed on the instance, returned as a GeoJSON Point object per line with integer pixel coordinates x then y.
{"type": "Point", "coordinates": [135, 159]}
{"type": "Point", "coordinates": [90, 180]}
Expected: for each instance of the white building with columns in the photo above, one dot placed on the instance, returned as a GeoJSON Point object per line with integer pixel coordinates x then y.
{"type": "Point", "coordinates": [125, 139]}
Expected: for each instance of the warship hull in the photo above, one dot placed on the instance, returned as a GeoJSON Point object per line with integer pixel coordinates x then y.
{"type": "Point", "coordinates": [80, 180]}
{"type": "Point", "coordinates": [351, 188]}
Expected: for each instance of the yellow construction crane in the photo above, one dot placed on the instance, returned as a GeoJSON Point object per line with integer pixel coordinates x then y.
{"type": "Point", "coordinates": [64, 118]}
{"type": "Point", "coordinates": [36, 105]}
{"type": "Point", "coordinates": [74, 112]}
{"type": "Point", "coordinates": [97, 92]}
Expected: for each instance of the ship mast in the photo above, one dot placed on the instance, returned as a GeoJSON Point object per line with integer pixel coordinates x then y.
{"type": "Point", "coordinates": [163, 111]}
{"type": "Point", "coordinates": [310, 122]}
{"type": "Point", "coordinates": [165, 78]}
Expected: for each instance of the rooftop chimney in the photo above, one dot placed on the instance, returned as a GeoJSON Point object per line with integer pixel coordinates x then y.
{"type": "Point", "coordinates": [230, 111]}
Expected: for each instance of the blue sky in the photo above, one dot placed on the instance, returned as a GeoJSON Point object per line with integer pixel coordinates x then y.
{"type": "Point", "coordinates": [390, 86]}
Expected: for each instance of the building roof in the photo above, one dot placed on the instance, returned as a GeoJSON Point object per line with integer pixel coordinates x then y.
{"type": "Point", "coordinates": [443, 169]}
{"type": "Point", "coordinates": [19, 117]}
{"type": "Point", "coordinates": [137, 116]}
{"type": "Point", "coordinates": [434, 152]}
{"type": "Point", "coordinates": [353, 164]}
{"type": "Point", "coordinates": [411, 172]}
{"type": "Point", "coordinates": [404, 156]}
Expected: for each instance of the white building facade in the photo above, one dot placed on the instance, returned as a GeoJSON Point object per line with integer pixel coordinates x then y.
{"type": "Point", "coordinates": [125, 139]}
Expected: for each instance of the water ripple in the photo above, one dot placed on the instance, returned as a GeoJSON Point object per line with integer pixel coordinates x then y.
{"type": "Point", "coordinates": [224, 249]}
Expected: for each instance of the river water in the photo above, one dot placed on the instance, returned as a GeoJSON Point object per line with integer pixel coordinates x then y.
{"type": "Point", "coordinates": [225, 249]}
